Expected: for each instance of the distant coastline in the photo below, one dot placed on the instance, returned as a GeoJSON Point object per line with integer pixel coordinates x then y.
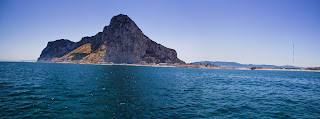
{"type": "Point", "coordinates": [191, 66]}
{"type": "Point", "coordinates": [177, 66]}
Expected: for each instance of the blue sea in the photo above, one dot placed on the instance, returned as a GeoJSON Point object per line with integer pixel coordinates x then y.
{"type": "Point", "coordinates": [50, 90]}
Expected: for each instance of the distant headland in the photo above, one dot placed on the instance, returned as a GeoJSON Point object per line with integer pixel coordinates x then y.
{"type": "Point", "coordinates": [120, 42]}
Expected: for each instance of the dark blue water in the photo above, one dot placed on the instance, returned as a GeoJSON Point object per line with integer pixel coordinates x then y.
{"type": "Point", "coordinates": [40, 90]}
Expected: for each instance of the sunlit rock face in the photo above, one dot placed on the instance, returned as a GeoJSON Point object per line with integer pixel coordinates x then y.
{"type": "Point", "coordinates": [120, 42]}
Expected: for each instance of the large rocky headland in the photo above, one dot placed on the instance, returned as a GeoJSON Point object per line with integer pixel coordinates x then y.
{"type": "Point", "coordinates": [120, 42]}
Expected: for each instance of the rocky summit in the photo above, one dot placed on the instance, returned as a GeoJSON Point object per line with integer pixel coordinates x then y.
{"type": "Point", "coordinates": [120, 42]}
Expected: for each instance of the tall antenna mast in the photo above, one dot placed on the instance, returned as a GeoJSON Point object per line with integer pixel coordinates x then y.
{"type": "Point", "coordinates": [293, 57]}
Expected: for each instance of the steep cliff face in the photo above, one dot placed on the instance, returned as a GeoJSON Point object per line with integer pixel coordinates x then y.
{"type": "Point", "coordinates": [55, 49]}
{"type": "Point", "coordinates": [120, 42]}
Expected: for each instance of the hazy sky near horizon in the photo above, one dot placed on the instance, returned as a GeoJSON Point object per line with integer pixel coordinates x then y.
{"type": "Point", "coordinates": [244, 31]}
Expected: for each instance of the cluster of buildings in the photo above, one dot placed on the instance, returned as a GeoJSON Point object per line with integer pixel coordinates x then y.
{"type": "Point", "coordinates": [313, 68]}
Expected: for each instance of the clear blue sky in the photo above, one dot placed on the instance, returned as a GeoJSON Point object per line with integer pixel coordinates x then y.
{"type": "Point", "coordinates": [244, 31]}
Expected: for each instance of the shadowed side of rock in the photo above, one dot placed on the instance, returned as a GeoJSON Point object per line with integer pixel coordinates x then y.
{"type": "Point", "coordinates": [55, 49]}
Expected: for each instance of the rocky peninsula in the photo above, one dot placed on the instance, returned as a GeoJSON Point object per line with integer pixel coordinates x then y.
{"type": "Point", "coordinates": [120, 42]}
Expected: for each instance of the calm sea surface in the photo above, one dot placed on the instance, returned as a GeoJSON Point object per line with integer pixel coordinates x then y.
{"type": "Point", "coordinates": [41, 90]}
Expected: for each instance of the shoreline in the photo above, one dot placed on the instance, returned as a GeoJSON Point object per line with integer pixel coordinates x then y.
{"type": "Point", "coordinates": [181, 66]}
{"type": "Point", "coordinates": [193, 66]}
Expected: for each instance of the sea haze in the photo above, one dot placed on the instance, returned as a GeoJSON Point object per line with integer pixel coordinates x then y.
{"type": "Point", "coordinates": [51, 90]}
